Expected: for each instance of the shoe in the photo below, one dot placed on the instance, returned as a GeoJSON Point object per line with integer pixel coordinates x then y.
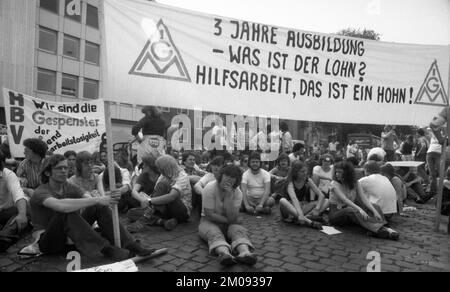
{"type": "Point", "coordinates": [134, 214]}
{"type": "Point", "coordinates": [247, 259]}
{"type": "Point", "coordinates": [312, 224]}
{"type": "Point", "coordinates": [387, 233]}
{"type": "Point", "coordinates": [170, 224]}
{"type": "Point", "coordinates": [116, 254]}
{"type": "Point", "coordinates": [226, 259]}
{"type": "Point", "coordinates": [7, 241]}
{"type": "Point", "coordinates": [138, 226]}
{"type": "Point", "coordinates": [138, 250]}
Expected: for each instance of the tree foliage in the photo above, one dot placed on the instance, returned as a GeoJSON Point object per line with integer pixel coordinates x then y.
{"type": "Point", "coordinates": [358, 33]}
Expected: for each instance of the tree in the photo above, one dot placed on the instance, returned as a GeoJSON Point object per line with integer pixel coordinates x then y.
{"type": "Point", "coordinates": [357, 33]}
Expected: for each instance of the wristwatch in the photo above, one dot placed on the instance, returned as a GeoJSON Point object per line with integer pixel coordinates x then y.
{"type": "Point", "coordinates": [150, 201]}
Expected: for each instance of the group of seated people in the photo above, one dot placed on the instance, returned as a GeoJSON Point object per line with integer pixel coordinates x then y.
{"type": "Point", "coordinates": [67, 198]}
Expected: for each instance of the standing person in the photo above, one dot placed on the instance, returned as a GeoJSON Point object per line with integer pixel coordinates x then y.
{"type": "Point", "coordinates": [220, 219]}
{"type": "Point", "coordinates": [352, 149]}
{"type": "Point", "coordinates": [388, 137]}
{"type": "Point", "coordinates": [13, 207]}
{"type": "Point", "coordinates": [407, 148]}
{"type": "Point", "coordinates": [255, 187]}
{"type": "Point", "coordinates": [297, 205]}
{"type": "Point", "coordinates": [332, 146]}
{"type": "Point", "coordinates": [286, 138]}
{"type": "Point", "coordinates": [71, 157]}
{"type": "Point", "coordinates": [154, 130]}
{"type": "Point", "coordinates": [348, 204]}
{"type": "Point", "coordinates": [59, 211]}
{"type": "Point", "coordinates": [29, 169]}
{"type": "Point", "coordinates": [421, 154]}
{"type": "Point", "coordinates": [433, 160]}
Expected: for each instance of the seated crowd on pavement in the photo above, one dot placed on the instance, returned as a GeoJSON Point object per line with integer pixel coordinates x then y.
{"type": "Point", "coordinates": [65, 199]}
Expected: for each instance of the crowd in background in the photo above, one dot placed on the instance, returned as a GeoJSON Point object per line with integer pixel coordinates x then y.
{"type": "Point", "coordinates": [64, 197]}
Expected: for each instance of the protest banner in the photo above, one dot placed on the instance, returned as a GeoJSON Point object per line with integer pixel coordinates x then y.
{"type": "Point", "coordinates": [171, 57]}
{"type": "Point", "coordinates": [64, 126]}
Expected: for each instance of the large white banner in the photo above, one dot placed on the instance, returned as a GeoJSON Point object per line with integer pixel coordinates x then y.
{"type": "Point", "coordinates": [78, 126]}
{"type": "Point", "coordinates": [166, 56]}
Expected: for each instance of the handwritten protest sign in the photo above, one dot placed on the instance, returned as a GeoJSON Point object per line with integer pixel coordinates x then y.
{"type": "Point", "coordinates": [77, 126]}
{"type": "Point", "coordinates": [166, 56]}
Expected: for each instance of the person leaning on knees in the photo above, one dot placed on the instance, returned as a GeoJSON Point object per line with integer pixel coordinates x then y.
{"type": "Point", "coordinates": [349, 204]}
{"type": "Point", "coordinates": [13, 207]}
{"type": "Point", "coordinates": [220, 219]}
{"type": "Point", "coordinates": [60, 210]}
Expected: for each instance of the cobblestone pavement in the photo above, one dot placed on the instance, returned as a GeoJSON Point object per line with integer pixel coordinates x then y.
{"type": "Point", "coordinates": [282, 247]}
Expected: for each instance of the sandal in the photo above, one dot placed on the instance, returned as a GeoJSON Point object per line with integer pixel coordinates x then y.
{"type": "Point", "coordinates": [247, 259]}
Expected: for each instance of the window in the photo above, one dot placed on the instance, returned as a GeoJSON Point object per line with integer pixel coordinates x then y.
{"type": "Point", "coordinates": [92, 53]}
{"type": "Point", "coordinates": [90, 89]}
{"type": "Point", "coordinates": [182, 111]}
{"type": "Point", "coordinates": [50, 5]}
{"type": "Point", "coordinates": [46, 80]}
{"type": "Point", "coordinates": [92, 16]}
{"type": "Point", "coordinates": [164, 109]}
{"type": "Point", "coordinates": [72, 10]}
{"type": "Point", "coordinates": [71, 47]}
{"type": "Point", "coordinates": [69, 85]}
{"type": "Point", "coordinates": [48, 40]}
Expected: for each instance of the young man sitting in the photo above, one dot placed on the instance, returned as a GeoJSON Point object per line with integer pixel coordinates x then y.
{"type": "Point", "coordinates": [59, 211]}
{"type": "Point", "coordinates": [13, 207]}
{"type": "Point", "coordinates": [255, 188]}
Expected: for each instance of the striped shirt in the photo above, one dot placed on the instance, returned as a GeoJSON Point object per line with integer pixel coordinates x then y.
{"type": "Point", "coordinates": [29, 173]}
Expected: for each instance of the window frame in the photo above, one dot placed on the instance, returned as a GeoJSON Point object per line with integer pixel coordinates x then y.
{"type": "Point", "coordinates": [77, 89]}
{"type": "Point", "coordinates": [48, 72]}
{"type": "Point", "coordinates": [92, 81]}
{"type": "Point", "coordinates": [52, 32]}
{"type": "Point", "coordinates": [67, 36]}
{"type": "Point", "coordinates": [87, 43]}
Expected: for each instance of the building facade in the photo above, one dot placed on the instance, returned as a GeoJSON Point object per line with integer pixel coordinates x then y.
{"type": "Point", "coordinates": [51, 49]}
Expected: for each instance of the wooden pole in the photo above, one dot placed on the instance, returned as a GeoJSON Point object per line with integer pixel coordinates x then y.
{"type": "Point", "coordinates": [112, 177]}
{"type": "Point", "coordinates": [441, 187]}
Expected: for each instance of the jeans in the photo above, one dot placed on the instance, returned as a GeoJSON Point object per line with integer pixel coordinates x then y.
{"type": "Point", "coordinates": [214, 234]}
{"type": "Point", "coordinates": [347, 215]}
{"type": "Point", "coordinates": [78, 227]}
{"type": "Point", "coordinates": [433, 160]}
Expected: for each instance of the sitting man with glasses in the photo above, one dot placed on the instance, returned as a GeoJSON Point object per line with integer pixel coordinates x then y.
{"type": "Point", "coordinates": [60, 210]}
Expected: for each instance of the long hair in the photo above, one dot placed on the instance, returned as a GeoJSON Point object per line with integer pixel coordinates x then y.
{"type": "Point", "coordinates": [49, 163]}
{"type": "Point", "coordinates": [232, 171]}
{"type": "Point", "coordinates": [82, 157]}
{"type": "Point", "coordinates": [348, 174]}
{"type": "Point", "coordinates": [296, 166]}
{"type": "Point", "coordinates": [168, 166]}
{"type": "Point", "coordinates": [283, 156]}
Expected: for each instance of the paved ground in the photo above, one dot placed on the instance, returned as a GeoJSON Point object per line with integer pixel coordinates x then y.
{"type": "Point", "coordinates": [282, 247]}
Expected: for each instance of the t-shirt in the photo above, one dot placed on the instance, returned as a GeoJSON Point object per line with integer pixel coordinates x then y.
{"type": "Point", "coordinates": [182, 184]}
{"type": "Point", "coordinates": [147, 185]}
{"type": "Point", "coordinates": [41, 215]}
{"type": "Point", "coordinates": [10, 190]}
{"type": "Point", "coordinates": [256, 183]}
{"type": "Point", "coordinates": [434, 145]}
{"type": "Point", "coordinates": [211, 199]}
{"type": "Point", "coordinates": [293, 158]}
{"type": "Point", "coordinates": [379, 190]}
{"type": "Point", "coordinates": [334, 199]}
{"type": "Point", "coordinates": [207, 178]}
{"type": "Point", "coordinates": [324, 185]}
{"type": "Point", "coordinates": [333, 146]}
